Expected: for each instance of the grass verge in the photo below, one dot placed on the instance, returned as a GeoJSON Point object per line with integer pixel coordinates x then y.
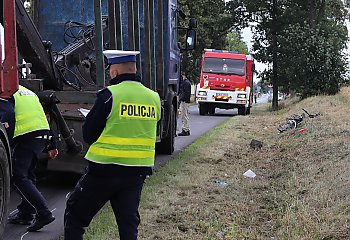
{"type": "Point", "coordinates": [301, 190]}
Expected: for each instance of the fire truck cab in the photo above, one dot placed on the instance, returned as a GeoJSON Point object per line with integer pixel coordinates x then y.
{"type": "Point", "coordinates": [226, 82]}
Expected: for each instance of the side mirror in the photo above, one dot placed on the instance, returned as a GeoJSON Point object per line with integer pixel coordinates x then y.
{"type": "Point", "coordinates": [191, 36]}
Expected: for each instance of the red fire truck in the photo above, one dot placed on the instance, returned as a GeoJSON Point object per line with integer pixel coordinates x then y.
{"type": "Point", "coordinates": [226, 82]}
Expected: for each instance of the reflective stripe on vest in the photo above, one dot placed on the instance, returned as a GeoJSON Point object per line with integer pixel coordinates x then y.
{"type": "Point", "coordinates": [130, 132]}
{"type": "Point", "coordinates": [29, 113]}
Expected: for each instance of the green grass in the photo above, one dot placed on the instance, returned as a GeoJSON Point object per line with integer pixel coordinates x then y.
{"type": "Point", "coordinates": [301, 190]}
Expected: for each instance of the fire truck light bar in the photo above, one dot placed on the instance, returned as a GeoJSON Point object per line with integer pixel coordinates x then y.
{"type": "Point", "coordinates": [215, 50]}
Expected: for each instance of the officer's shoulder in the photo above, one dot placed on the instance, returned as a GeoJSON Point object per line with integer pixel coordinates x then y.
{"type": "Point", "coordinates": [104, 92]}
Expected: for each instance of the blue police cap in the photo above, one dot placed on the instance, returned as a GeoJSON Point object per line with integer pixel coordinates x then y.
{"type": "Point", "coordinates": [120, 56]}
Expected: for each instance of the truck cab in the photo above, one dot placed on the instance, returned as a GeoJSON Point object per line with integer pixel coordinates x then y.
{"type": "Point", "coordinates": [226, 81]}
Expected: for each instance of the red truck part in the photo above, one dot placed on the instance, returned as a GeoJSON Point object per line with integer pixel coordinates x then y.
{"type": "Point", "coordinates": [226, 81]}
{"type": "Point", "coordinates": [9, 73]}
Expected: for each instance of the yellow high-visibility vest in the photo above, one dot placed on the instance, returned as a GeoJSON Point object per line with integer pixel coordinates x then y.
{"type": "Point", "coordinates": [29, 113]}
{"type": "Point", "coordinates": [130, 133]}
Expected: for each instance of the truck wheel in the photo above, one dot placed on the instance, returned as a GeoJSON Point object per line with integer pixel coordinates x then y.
{"type": "Point", "coordinates": [211, 110]}
{"type": "Point", "coordinates": [203, 110]}
{"type": "Point", "coordinates": [242, 111]}
{"type": "Point", "coordinates": [4, 187]}
{"type": "Point", "coordinates": [166, 146]}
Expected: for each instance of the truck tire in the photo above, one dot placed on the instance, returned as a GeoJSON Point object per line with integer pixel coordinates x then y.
{"type": "Point", "coordinates": [166, 146]}
{"type": "Point", "coordinates": [4, 187]}
{"type": "Point", "coordinates": [203, 109]}
{"type": "Point", "coordinates": [242, 111]}
{"type": "Point", "coordinates": [211, 110]}
{"type": "Point", "coordinates": [248, 111]}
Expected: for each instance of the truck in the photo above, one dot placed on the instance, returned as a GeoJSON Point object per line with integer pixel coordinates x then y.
{"type": "Point", "coordinates": [60, 57]}
{"type": "Point", "coordinates": [8, 70]}
{"type": "Point", "coordinates": [226, 82]}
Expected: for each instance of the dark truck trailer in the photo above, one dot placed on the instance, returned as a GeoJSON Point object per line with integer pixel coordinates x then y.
{"type": "Point", "coordinates": [63, 42]}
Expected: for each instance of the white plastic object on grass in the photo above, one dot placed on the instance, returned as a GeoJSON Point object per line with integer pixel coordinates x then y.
{"type": "Point", "coordinates": [249, 174]}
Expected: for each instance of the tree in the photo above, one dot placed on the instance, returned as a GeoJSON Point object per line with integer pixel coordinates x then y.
{"type": "Point", "coordinates": [214, 23]}
{"type": "Point", "coordinates": [269, 21]}
{"type": "Point", "coordinates": [315, 63]}
{"type": "Point", "coordinates": [302, 39]}
{"type": "Point", "coordinates": [235, 43]}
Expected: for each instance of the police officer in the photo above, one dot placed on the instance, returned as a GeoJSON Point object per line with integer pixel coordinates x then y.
{"type": "Point", "coordinates": [121, 129]}
{"type": "Point", "coordinates": [26, 122]}
{"type": "Point", "coordinates": [185, 99]}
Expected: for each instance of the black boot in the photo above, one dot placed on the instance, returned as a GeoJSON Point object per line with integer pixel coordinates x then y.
{"type": "Point", "coordinates": [184, 133]}
{"type": "Point", "coordinates": [40, 222]}
{"type": "Point", "coordinates": [21, 219]}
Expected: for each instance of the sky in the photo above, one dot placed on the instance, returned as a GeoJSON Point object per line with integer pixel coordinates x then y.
{"type": "Point", "coordinates": [247, 36]}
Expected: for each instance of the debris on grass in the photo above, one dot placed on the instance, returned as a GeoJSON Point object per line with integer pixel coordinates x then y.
{"type": "Point", "coordinates": [256, 144]}
{"type": "Point", "coordinates": [302, 130]}
{"type": "Point", "coordinates": [295, 121]}
{"type": "Point", "coordinates": [249, 174]}
{"type": "Point", "coordinates": [311, 115]}
{"type": "Point", "coordinates": [220, 183]}
{"type": "Point", "coordinates": [292, 122]}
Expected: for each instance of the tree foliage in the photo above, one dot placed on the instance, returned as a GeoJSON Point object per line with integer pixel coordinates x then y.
{"type": "Point", "coordinates": [234, 42]}
{"type": "Point", "coordinates": [214, 23]}
{"type": "Point", "coordinates": [303, 40]}
{"type": "Point", "coordinates": [315, 63]}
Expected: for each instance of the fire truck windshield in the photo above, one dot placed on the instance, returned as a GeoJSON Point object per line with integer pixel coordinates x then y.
{"type": "Point", "coordinates": [224, 66]}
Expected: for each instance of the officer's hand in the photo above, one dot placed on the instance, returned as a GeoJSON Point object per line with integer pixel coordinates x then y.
{"type": "Point", "coordinates": [53, 153]}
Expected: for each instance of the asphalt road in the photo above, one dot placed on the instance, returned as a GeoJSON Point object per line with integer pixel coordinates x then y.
{"type": "Point", "coordinates": [56, 186]}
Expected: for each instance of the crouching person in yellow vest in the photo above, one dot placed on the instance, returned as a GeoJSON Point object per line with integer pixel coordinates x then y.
{"type": "Point", "coordinates": [29, 134]}
{"type": "Point", "coordinates": [121, 129]}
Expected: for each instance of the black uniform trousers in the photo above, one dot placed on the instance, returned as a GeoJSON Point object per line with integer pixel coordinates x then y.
{"type": "Point", "coordinates": [24, 161]}
{"type": "Point", "coordinates": [92, 192]}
